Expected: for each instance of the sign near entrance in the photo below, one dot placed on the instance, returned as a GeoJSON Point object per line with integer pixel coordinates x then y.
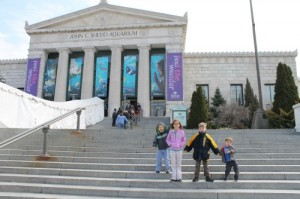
{"type": "Point", "coordinates": [32, 76]}
{"type": "Point", "coordinates": [174, 77]}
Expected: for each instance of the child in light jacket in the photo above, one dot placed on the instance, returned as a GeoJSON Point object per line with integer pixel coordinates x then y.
{"type": "Point", "coordinates": [176, 141]}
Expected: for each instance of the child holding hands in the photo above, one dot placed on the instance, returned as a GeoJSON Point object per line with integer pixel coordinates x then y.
{"type": "Point", "coordinates": [227, 152]}
{"type": "Point", "coordinates": [176, 141]}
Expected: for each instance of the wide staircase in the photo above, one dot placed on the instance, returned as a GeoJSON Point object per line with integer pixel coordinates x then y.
{"type": "Point", "coordinates": [106, 162]}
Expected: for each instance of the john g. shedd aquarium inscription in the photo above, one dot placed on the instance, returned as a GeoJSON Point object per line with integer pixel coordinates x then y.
{"type": "Point", "coordinates": [106, 34]}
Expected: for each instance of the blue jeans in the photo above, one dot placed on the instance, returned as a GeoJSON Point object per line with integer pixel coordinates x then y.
{"type": "Point", "coordinates": [120, 125]}
{"type": "Point", "coordinates": [159, 155]}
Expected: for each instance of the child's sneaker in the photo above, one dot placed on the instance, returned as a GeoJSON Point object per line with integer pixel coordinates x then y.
{"type": "Point", "coordinates": [195, 179]}
{"type": "Point", "coordinates": [157, 171]}
{"type": "Point", "coordinates": [167, 172]}
{"type": "Point", "coordinates": [208, 179]}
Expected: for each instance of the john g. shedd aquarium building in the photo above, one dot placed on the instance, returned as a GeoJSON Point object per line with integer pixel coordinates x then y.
{"type": "Point", "coordinates": [125, 55]}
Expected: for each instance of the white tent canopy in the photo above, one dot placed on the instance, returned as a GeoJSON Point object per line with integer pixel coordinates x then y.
{"type": "Point", "coordinates": [22, 110]}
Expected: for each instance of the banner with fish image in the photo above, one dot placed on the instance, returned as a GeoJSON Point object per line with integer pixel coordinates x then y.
{"type": "Point", "coordinates": [75, 75]}
{"type": "Point", "coordinates": [50, 79]}
{"type": "Point", "coordinates": [101, 76]}
{"type": "Point", "coordinates": [129, 76]}
{"type": "Point", "coordinates": [157, 73]}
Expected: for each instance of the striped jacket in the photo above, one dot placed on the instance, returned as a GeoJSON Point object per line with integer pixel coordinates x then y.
{"type": "Point", "coordinates": [202, 143]}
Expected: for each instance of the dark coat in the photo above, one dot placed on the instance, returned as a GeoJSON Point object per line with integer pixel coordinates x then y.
{"type": "Point", "coordinates": [202, 143]}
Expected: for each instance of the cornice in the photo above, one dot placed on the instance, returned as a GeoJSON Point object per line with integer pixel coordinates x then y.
{"type": "Point", "coordinates": [13, 61]}
{"type": "Point", "coordinates": [102, 28]}
{"type": "Point", "coordinates": [242, 54]}
{"type": "Point", "coordinates": [106, 7]}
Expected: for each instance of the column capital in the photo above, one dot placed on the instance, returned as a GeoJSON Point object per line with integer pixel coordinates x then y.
{"type": "Point", "coordinates": [89, 48]}
{"type": "Point", "coordinates": [61, 50]}
{"type": "Point", "coordinates": [176, 47]}
{"type": "Point", "coordinates": [36, 52]}
{"type": "Point", "coordinates": [144, 47]}
{"type": "Point", "coordinates": [116, 47]}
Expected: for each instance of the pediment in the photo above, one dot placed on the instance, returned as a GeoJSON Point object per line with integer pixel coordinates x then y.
{"type": "Point", "coordinates": [106, 16]}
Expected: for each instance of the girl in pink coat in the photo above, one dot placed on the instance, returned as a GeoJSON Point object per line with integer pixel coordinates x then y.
{"type": "Point", "coordinates": [176, 140]}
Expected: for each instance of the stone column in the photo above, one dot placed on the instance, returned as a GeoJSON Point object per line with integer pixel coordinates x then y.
{"type": "Point", "coordinates": [114, 97]}
{"type": "Point", "coordinates": [88, 73]}
{"type": "Point", "coordinates": [144, 79]}
{"type": "Point", "coordinates": [39, 53]}
{"type": "Point", "coordinates": [62, 75]}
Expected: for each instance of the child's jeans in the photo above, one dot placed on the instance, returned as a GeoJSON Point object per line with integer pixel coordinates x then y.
{"type": "Point", "coordinates": [235, 166]}
{"type": "Point", "coordinates": [162, 154]}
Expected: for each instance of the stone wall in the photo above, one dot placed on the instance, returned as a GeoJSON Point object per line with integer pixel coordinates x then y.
{"type": "Point", "coordinates": [223, 69]}
{"type": "Point", "coordinates": [14, 72]}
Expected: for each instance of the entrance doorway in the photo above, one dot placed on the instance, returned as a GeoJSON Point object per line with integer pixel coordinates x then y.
{"type": "Point", "coordinates": [130, 103]}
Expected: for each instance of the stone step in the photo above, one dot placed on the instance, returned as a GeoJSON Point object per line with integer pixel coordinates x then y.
{"type": "Point", "coordinates": [144, 174]}
{"type": "Point", "coordinates": [146, 149]}
{"type": "Point", "coordinates": [141, 167]}
{"type": "Point", "coordinates": [142, 143]}
{"type": "Point", "coordinates": [151, 183]}
{"type": "Point", "coordinates": [140, 155]}
{"type": "Point", "coordinates": [119, 160]}
{"type": "Point", "coordinates": [22, 195]}
{"type": "Point", "coordinates": [147, 192]}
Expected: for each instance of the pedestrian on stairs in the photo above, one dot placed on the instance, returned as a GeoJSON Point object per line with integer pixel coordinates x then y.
{"type": "Point", "coordinates": [176, 141]}
{"type": "Point", "coordinates": [202, 142]}
{"type": "Point", "coordinates": [162, 147]}
{"type": "Point", "coordinates": [121, 119]}
{"type": "Point", "coordinates": [114, 117]}
{"type": "Point", "coordinates": [227, 152]}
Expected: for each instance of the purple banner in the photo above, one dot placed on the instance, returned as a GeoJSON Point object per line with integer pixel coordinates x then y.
{"type": "Point", "coordinates": [32, 76]}
{"type": "Point", "coordinates": [174, 77]}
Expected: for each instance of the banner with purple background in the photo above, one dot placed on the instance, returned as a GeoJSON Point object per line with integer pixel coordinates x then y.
{"type": "Point", "coordinates": [174, 77]}
{"type": "Point", "coordinates": [32, 76]}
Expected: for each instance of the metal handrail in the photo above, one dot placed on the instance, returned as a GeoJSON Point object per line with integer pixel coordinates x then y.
{"type": "Point", "coordinates": [45, 127]}
{"type": "Point", "coordinates": [134, 119]}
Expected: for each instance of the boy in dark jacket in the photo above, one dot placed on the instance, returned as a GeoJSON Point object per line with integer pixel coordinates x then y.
{"type": "Point", "coordinates": [162, 152]}
{"type": "Point", "coordinates": [202, 143]}
{"type": "Point", "coordinates": [227, 152]}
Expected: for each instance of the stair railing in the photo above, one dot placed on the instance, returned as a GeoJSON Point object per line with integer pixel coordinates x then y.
{"type": "Point", "coordinates": [45, 129]}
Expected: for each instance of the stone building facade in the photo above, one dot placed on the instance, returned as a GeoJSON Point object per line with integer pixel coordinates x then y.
{"type": "Point", "coordinates": [111, 34]}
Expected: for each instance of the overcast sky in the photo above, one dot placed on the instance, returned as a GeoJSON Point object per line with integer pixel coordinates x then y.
{"type": "Point", "coordinates": [213, 25]}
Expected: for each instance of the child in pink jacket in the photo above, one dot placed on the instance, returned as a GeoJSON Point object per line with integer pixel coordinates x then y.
{"type": "Point", "coordinates": [176, 140]}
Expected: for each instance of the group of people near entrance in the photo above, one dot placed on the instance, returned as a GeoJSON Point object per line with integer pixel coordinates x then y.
{"type": "Point", "coordinates": [120, 117]}
{"type": "Point", "coordinates": [172, 142]}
